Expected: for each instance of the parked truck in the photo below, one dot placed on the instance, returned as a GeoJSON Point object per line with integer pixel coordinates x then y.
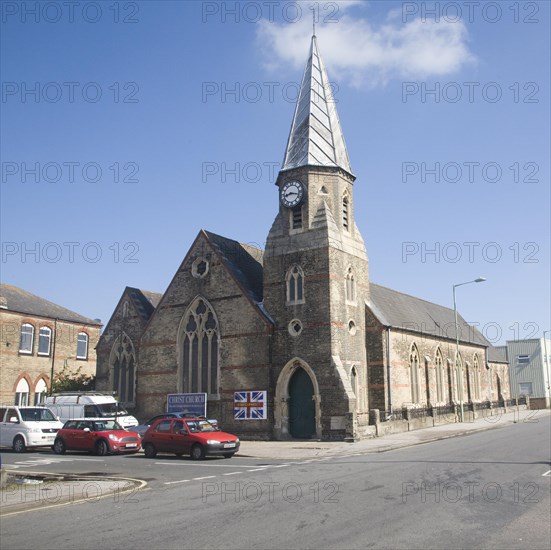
{"type": "Point", "coordinates": [27, 427]}
{"type": "Point", "coordinates": [70, 405]}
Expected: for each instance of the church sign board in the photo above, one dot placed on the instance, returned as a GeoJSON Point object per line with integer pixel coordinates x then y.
{"type": "Point", "coordinates": [192, 403]}
{"type": "Point", "coordinates": [250, 405]}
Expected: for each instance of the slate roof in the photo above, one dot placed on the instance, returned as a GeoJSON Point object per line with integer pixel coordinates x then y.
{"type": "Point", "coordinates": [20, 301]}
{"type": "Point", "coordinates": [144, 301]}
{"type": "Point", "coordinates": [397, 310]}
{"type": "Point", "coordinates": [497, 354]}
{"type": "Point", "coordinates": [243, 260]}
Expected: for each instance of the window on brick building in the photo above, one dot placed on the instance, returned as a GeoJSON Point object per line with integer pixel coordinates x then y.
{"type": "Point", "coordinates": [296, 218]}
{"type": "Point", "coordinates": [414, 366]}
{"type": "Point", "coordinates": [44, 340]}
{"type": "Point", "coordinates": [350, 286]}
{"type": "Point", "coordinates": [26, 339]}
{"type": "Point", "coordinates": [345, 211]}
{"type": "Point", "coordinates": [123, 364]}
{"type": "Point", "coordinates": [199, 342]}
{"type": "Point", "coordinates": [40, 391]}
{"type": "Point", "coordinates": [440, 376]}
{"type": "Point", "coordinates": [295, 285]}
{"type": "Point", "coordinates": [22, 393]}
{"type": "Point", "coordinates": [476, 378]}
{"type": "Point", "coordinates": [82, 345]}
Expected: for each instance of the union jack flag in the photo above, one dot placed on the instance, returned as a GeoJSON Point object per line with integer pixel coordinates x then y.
{"type": "Point", "coordinates": [249, 405]}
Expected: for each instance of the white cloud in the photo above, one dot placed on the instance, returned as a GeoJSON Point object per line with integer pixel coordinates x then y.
{"type": "Point", "coordinates": [358, 51]}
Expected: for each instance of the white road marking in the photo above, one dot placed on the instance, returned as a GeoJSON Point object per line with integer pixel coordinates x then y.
{"type": "Point", "coordinates": [280, 466]}
{"type": "Point", "coordinates": [232, 473]}
{"type": "Point", "coordinates": [258, 469]}
{"type": "Point", "coordinates": [46, 461]}
{"type": "Point", "coordinates": [200, 478]}
{"type": "Point", "coordinates": [179, 481]}
{"type": "Point", "coordinates": [547, 474]}
{"type": "Point", "coordinates": [195, 464]}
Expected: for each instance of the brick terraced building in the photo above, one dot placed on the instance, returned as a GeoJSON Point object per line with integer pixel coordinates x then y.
{"type": "Point", "coordinates": [39, 338]}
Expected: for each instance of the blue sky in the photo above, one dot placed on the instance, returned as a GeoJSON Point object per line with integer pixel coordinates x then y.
{"type": "Point", "coordinates": [136, 135]}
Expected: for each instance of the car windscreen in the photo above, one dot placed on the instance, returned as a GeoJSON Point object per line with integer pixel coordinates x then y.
{"type": "Point", "coordinates": [110, 409]}
{"type": "Point", "coordinates": [37, 415]}
{"type": "Point", "coordinates": [200, 426]}
{"type": "Point", "coordinates": [106, 425]}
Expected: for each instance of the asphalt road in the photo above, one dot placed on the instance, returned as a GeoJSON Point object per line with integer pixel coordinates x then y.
{"type": "Point", "coordinates": [487, 490]}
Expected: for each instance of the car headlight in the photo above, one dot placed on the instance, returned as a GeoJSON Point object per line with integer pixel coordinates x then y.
{"type": "Point", "coordinates": [113, 437]}
{"type": "Point", "coordinates": [36, 430]}
{"type": "Point", "coordinates": [237, 440]}
{"type": "Point", "coordinates": [213, 442]}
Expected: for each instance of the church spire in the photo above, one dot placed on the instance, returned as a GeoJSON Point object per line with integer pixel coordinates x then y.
{"type": "Point", "coordinates": [316, 137]}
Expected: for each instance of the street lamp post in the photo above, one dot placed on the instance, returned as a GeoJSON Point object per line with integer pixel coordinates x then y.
{"type": "Point", "coordinates": [546, 362]}
{"type": "Point", "coordinates": [478, 280]}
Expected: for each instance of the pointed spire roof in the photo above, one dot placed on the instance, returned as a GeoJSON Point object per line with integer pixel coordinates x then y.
{"type": "Point", "coordinates": [316, 137]}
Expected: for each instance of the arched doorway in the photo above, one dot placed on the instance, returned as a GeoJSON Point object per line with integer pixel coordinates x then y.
{"type": "Point", "coordinates": [302, 407]}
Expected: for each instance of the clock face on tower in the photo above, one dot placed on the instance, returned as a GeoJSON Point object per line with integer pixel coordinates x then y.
{"type": "Point", "coordinates": [292, 194]}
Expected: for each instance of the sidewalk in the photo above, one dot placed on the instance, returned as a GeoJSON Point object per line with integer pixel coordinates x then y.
{"type": "Point", "coordinates": [42, 490]}
{"type": "Point", "coordinates": [312, 449]}
{"type": "Point", "coordinates": [31, 490]}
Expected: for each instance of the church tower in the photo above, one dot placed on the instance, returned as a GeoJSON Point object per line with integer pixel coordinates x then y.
{"type": "Point", "coordinates": [316, 276]}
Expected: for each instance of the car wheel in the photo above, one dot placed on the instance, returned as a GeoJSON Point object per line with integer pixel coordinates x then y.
{"type": "Point", "coordinates": [19, 445]}
{"type": "Point", "coordinates": [102, 448]}
{"type": "Point", "coordinates": [228, 455]}
{"type": "Point", "coordinates": [197, 452]}
{"type": "Point", "coordinates": [59, 447]}
{"type": "Point", "coordinates": [149, 451]}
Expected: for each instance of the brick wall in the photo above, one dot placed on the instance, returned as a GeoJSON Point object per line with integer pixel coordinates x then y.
{"type": "Point", "coordinates": [33, 367]}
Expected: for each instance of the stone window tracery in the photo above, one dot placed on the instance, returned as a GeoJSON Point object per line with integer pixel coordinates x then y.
{"type": "Point", "coordinates": [414, 365]}
{"type": "Point", "coordinates": [295, 285]}
{"type": "Point", "coordinates": [350, 286]}
{"type": "Point", "coordinates": [345, 211]}
{"type": "Point", "coordinates": [123, 363]}
{"type": "Point", "coordinates": [440, 376]}
{"type": "Point", "coordinates": [199, 342]}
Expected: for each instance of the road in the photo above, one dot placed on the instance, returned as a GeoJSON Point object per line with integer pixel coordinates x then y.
{"type": "Point", "coordinates": [486, 490]}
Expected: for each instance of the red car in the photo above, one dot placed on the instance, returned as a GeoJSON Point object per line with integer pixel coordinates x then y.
{"type": "Point", "coordinates": [99, 435]}
{"type": "Point", "coordinates": [196, 437]}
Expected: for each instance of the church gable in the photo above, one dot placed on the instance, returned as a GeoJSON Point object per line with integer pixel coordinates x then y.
{"type": "Point", "coordinates": [210, 330]}
{"type": "Point", "coordinates": [118, 347]}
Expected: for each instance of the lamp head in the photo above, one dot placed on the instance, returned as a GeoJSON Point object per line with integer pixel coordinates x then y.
{"type": "Point", "coordinates": [480, 280]}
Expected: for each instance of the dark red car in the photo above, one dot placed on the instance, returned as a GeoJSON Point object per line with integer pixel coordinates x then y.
{"type": "Point", "coordinates": [195, 437]}
{"type": "Point", "coordinates": [99, 435]}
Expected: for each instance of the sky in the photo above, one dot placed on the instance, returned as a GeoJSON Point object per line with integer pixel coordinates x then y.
{"type": "Point", "coordinates": [126, 127]}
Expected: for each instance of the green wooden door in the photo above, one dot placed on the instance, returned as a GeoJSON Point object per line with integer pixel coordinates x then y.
{"type": "Point", "coordinates": [302, 408]}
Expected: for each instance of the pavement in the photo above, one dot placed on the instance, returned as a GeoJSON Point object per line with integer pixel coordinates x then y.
{"type": "Point", "coordinates": [30, 490]}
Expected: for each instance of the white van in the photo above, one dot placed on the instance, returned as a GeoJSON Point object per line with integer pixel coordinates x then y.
{"type": "Point", "coordinates": [27, 427]}
{"type": "Point", "coordinates": [70, 405]}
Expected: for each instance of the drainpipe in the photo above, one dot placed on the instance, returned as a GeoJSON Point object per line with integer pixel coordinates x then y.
{"type": "Point", "coordinates": [53, 357]}
{"type": "Point", "coordinates": [388, 369]}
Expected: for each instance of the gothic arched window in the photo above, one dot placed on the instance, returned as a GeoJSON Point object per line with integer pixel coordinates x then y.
{"type": "Point", "coordinates": [198, 343]}
{"type": "Point", "coordinates": [440, 376]}
{"type": "Point", "coordinates": [350, 286]}
{"type": "Point", "coordinates": [295, 285]}
{"type": "Point", "coordinates": [123, 363]}
{"type": "Point", "coordinates": [345, 211]}
{"type": "Point", "coordinates": [476, 378]}
{"type": "Point", "coordinates": [414, 373]}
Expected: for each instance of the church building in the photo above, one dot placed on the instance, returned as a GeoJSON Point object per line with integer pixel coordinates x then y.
{"type": "Point", "coordinates": [294, 341]}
